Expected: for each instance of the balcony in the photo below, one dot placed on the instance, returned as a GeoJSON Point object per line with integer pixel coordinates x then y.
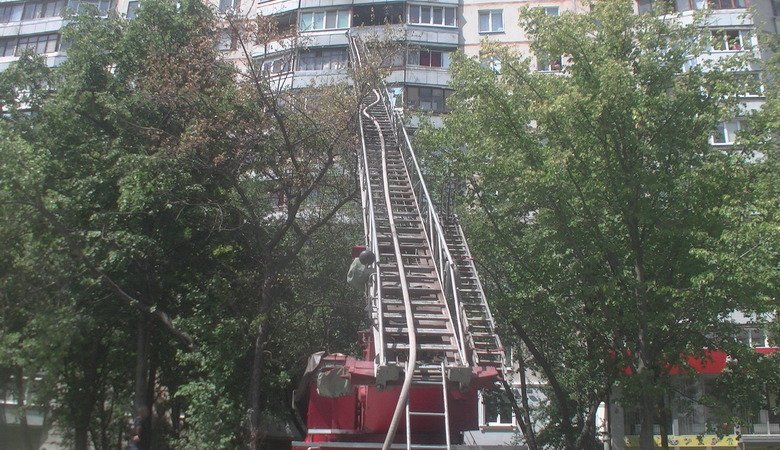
{"type": "Point", "coordinates": [764, 428]}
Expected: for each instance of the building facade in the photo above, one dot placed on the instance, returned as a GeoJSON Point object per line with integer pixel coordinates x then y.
{"type": "Point", "coordinates": [313, 48]}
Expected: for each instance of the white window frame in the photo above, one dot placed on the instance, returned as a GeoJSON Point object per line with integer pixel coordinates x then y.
{"type": "Point", "coordinates": [12, 12]}
{"type": "Point", "coordinates": [482, 415]}
{"type": "Point", "coordinates": [753, 88]}
{"type": "Point", "coordinates": [743, 35]}
{"type": "Point", "coordinates": [547, 64]}
{"type": "Point", "coordinates": [491, 15]}
{"type": "Point", "coordinates": [132, 9]}
{"type": "Point", "coordinates": [103, 6]}
{"type": "Point", "coordinates": [331, 19]}
{"type": "Point", "coordinates": [427, 15]}
{"type": "Point", "coordinates": [321, 55]}
{"type": "Point", "coordinates": [277, 65]}
{"type": "Point", "coordinates": [25, 42]}
{"type": "Point", "coordinates": [725, 133]}
{"type": "Point", "coordinates": [415, 57]}
{"type": "Point", "coordinates": [229, 5]}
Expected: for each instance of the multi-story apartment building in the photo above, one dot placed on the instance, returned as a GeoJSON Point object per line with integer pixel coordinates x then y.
{"type": "Point", "coordinates": [313, 49]}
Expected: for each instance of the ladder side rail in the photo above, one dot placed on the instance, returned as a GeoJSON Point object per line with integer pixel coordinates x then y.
{"type": "Point", "coordinates": [411, 363]}
{"type": "Point", "coordinates": [488, 313]}
{"type": "Point", "coordinates": [369, 226]}
{"type": "Point", "coordinates": [373, 243]}
{"type": "Point", "coordinates": [446, 410]}
{"type": "Point", "coordinates": [412, 359]}
{"type": "Point", "coordinates": [437, 241]}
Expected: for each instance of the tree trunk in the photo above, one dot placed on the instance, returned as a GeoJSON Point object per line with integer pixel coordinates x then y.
{"type": "Point", "coordinates": [663, 419]}
{"type": "Point", "coordinates": [80, 437]}
{"type": "Point", "coordinates": [142, 421]}
{"type": "Point", "coordinates": [258, 363]}
{"type": "Point", "coordinates": [561, 397]}
{"type": "Point", "coordinates": [647, 408]}
{"type": "Point", "coordinates": [255, 395]}
{"type": "Point", "coordinates": [21, 409]}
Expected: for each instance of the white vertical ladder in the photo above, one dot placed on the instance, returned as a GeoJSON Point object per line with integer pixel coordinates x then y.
{"type": "Point", "coordinates": [445, 415]}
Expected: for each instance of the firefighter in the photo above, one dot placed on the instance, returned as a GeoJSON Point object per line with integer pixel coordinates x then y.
{"type": "Point", "coordinates": [360, 270]}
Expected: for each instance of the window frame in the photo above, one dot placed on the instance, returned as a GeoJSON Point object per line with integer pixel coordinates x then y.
{"type": "Point", "coordinates": [8, 47]}
{"type": "Point", "coordinates": [483, 413]}
{"type": "Point", "coordinates": [8, 11]}
{"type": "Point", "coordinates": [432, 54]}
{"type": "Point", "coordinates": [548, 64]}
{"type": "Point", "coordinates": [448, 15]}
{"type": "Point", "coordinates": [33, 41]}
{"type": "Point", "coordinates": [727, 131]}
{"type": "Point", "coordinates": [319, 59]}
{"type": "Point", "coordinates": [490, 14]}
{"type": "Point", "coordinates": [132, 9]}
{"type": "Point", "coordinates": [724, 38]}
{"type": "Point", "coordinates": [103, 6]}
{"type": "Point", "coordinates": [322, 16]}
{"type": "Point", "coordinates": [421, 102]}
{"type": "Point", "coordinates": [727, 4]}
{"type": "Point", "coordinates": [229, 5]}
{"type": "Point", "coordinates": [277, 65]}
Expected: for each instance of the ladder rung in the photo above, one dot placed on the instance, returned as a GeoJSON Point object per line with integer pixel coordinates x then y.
{"type": "Point", "coordinates": [420, 413]}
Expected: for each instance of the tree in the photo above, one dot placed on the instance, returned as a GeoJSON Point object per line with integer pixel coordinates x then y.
{"type": "Point", "coordinates": [180, 196]}
{"type": "Point", "coordinates": [614, 241]}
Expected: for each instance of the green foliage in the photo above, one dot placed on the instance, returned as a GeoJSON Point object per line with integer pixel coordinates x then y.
{"type": "Point", "coordinates": [611, 232]}
{"type": "Point", "coordinates": [137, 191]}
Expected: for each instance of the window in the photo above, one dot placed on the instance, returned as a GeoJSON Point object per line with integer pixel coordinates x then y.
{"type": "Point", "coordinates": [7, 46]}
{"type": "Point", "coordinates": [656, 6]}
{"type": "Point", "coordinates": [727, 4]}
{"type": "Point", "coordinates": [324, 20]}
{"type": "Point", "coordinates": [491, 21]}
{"type": "Point", "coordinates": [753, 337]}
{"type": "Point", "coordinates": [81, 6]}
{"type": "Point", "coordinates": [545, 63]}
{"type": "Point", "coordinates": [330, 59]}
{"type": "Point", "coordinates": [496, 408]}
{"type": "Point", "coordinates": [227, 41]}
{"type": "Point", "coordinates": [432, 15]}
{"type": "Point", "coordinates": [132, 8]}
{"type": "Point", "coordinates": [429, 58]}
{"type": "Point", "coordinates": [277, 65]}
{"type": "Point", "coordinates": [40, 44]}
{"type": "Point", "coordinates": [551, 10]}
{"type": "Point", "coordinates": [750, 84]}
{"type": "Point", "coordinates": [374, 14]}
{"type": "Point", "coordinates": [427, 99]}
{"type": "Point", "coordinates": [493, 63]}
{"type": "Point", "coordinates": [11, 12]}
{"type": "Point", "coordinates": [229, 5]}
{"type": "Point", "coordinates": [730, 40]}
{"type": "Point", "coordinates": [726, 133]}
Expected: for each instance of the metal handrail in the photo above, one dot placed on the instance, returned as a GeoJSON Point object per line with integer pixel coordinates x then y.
{"type": "Point", "coordinates": [369, 225]}
{"type": "Point", "coordinates": [446, 264]}
{"type": "Point", "coordinates": [403, 397]}
{"type": "Point", "coordinates": [488, 313]}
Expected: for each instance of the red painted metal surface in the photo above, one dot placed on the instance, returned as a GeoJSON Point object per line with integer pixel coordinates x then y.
{"type": "Point", "coordinates": [363, 414]}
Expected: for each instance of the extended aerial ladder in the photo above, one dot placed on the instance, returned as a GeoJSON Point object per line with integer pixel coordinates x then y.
{"type": "Point", "coordinates": [432, 343]}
